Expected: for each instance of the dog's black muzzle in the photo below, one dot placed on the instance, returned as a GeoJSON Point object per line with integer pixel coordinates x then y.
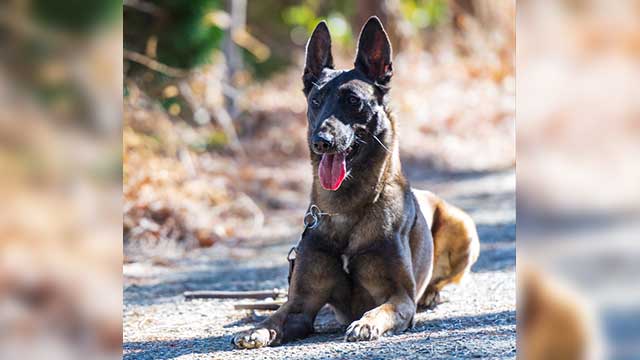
{"type": "Point", "coordinates": [331, 136]}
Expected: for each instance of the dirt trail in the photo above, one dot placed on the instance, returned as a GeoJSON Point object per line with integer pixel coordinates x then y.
{"type": "Point", "coordinates": [476, 321]}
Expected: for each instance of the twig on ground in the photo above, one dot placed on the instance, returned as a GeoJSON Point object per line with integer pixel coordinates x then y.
{"type": "Point", "coordinates": [259, 294]}
{"type": "Point", "coordinates": [271, 305]}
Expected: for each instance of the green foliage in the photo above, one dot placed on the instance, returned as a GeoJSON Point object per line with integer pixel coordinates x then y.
{"type": "Point", "coordinates": [300, 15]}
{"type": "Point", "coordinates": [217, 140]}
{"type": "Point", "coordinates": [212, 140]}
{"type": "Point", "coordinates": [291, 28]}
{"type": "Point", "coordinates": [186, 36]}
{"type": "Point", "coordinates": [77, 16]}
{"type": "Point", "coordinates": [261, 70]}
{"type": "Point", "coordinates": [188, 39]}
{"type": "Point", "coordinates": [303, 18]}
{"type": "Point", "coordinates": [172, 101]}
{"type": "Point", "coordinates": [425, 13]}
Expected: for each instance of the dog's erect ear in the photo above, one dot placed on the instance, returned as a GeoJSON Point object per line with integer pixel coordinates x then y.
{"type": "Point", "coordinates": [374, 52]}
{"type": "Point", "coordinates": [318, 55]}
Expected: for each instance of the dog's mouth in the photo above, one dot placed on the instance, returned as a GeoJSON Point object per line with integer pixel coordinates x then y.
{"type": "Point", "coordinates": [333, 167]}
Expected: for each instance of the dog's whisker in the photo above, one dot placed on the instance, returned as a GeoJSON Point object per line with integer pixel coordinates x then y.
{"type": "Point", "coordinates": [378, 140]}
{"type": "Point", "coordinates": [381, 144]}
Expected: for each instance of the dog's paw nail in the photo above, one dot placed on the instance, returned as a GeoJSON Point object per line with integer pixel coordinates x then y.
{"type": "Point", "coordinates": [364, 332]}
{"type": "Point", "coordinates": [350, 328]}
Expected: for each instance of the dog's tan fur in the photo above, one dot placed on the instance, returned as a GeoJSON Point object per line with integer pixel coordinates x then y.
{"type": "Point", "coordinates": [554, 322]}
{"type": "Point", "coordinates": [456, 244]}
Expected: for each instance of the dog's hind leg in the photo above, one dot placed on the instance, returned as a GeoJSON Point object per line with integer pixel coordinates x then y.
{"type": "Point", "coordinates": [456, 246]}
{"type": "Point", "coordinates": [451, 269]}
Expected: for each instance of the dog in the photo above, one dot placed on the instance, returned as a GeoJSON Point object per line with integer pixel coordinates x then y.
{"type": "Point", "coordinates": [380, 249]}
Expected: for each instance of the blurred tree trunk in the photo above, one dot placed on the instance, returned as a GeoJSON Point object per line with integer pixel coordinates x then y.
{"type": "Point", "coordinates": [389, 13]}
{"type": "Point", "coordinates": [235, 65]}
{"type": "Point", "coordinates": [463, 6]}
{"type": "Point", "coordinates": [368, 8]}
{"type": "Point", "coordinates": [460, 9]}
{"type": "Point", "coordinates": [232, 52]}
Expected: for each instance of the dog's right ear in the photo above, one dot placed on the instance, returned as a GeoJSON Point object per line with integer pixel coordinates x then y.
{"type": "Point", "coordinates": [318, 56]}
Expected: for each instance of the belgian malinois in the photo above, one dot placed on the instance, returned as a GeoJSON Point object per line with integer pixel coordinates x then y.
{"type": "Point", "coordinates": [381, 249]}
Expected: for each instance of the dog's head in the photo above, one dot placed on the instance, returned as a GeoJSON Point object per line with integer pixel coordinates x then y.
{"type": "Point", "coordinates": [348, 123]}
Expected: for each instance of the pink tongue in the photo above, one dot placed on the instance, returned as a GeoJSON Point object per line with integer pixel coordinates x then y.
{"type": "Point", "coordinates": [331, 171]}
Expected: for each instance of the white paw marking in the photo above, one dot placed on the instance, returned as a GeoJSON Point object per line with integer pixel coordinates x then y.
{"type": "Point", "coordinates": [345, 263]}
{"type": "Point", "coordinates": [361, 330]}
{"type": "Point", "coordinates": [252, 339]}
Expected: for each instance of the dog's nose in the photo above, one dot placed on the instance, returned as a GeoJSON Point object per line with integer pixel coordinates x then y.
{"type": "Point", "coordinates": [322, 143]}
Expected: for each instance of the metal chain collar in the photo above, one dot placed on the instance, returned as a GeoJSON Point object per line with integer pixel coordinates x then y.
{"type": "Point", "coordinates": [311, 220]}
{"type": "Point", "coordinates": [313, 216]}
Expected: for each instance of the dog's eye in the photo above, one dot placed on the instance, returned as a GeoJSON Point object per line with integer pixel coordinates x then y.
{"type": "Point", "coordinates": [353, 100]}
{"type": "Point", "coordinates": [315, 102]}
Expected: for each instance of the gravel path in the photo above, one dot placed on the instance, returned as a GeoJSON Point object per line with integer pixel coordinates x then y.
{"type": "Point", "coordinates": [477, 319]}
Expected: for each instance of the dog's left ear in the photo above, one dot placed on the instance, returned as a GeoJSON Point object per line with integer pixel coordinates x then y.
{"type": "Point", "coordinates": [374, 52]}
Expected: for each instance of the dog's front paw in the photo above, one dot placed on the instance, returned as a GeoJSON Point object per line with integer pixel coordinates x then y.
{"type": "Point", "coordinates": [362, 330]}
{"type": "Point", "coordinates": [254, 338]}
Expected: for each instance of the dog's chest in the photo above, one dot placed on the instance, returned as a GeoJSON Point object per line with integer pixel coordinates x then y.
{"type": "Point", "coordinates": [349, 236]}
{"type": "Point", "coordinates": [341, 222]}
{"type": "Point", "coordinates": [339, 230]}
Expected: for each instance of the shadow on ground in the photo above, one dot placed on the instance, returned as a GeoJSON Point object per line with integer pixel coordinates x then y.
{"type": "Point", "coordinates": [227, 275]}
{"type": "Point", "coordinates": [478, 322]}
{"type": "Point", "coordinates": [439, 330]}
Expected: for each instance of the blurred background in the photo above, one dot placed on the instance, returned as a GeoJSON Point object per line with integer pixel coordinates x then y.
{"type": "Point", "coordinates": [216, 171]}
{"type": "Point", "coordinates": [60, 158]}
{"type": "Point", "coordinates": [578, 195]}
{"type": "Point", "coordinates": [210, 87]}
{"type": "Point", "coordinates": [195, 108]}
{"type": "Point", "coordinates": [214, 116]}
{"type": "Point", "coordinates": [209, 145]}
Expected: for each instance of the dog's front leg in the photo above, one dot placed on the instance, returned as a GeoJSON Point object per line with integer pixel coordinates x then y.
{"type": "Point", "coordinates": [394, 315]}
{"type": "Point", "coordinates": [315, 276]}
